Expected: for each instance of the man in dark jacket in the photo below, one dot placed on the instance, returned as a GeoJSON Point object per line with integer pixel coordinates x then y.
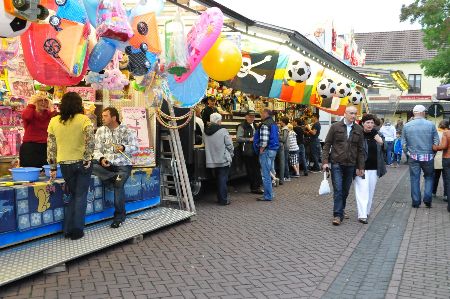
{"type": "Point", "coordinates": [266, 143]}
{"type": "Point", "coordinates": [344, 149]}
{"type": "Point", "coordinates": [244, 137]}
{"type": "Point", "coordinates": [209, 109]}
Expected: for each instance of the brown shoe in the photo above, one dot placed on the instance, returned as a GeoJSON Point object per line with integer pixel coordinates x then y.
{"type": "Point", "coordinates": [336, 221]}
{"type": "Point", "coordinates": [346, 216]}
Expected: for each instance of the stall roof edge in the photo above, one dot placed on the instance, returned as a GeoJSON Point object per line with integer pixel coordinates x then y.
{"type": "Point", "coordinates": [296, 39]}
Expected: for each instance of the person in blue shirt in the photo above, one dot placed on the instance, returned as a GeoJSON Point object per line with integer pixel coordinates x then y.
{"type": "Point", "coordinates": [398, 150]}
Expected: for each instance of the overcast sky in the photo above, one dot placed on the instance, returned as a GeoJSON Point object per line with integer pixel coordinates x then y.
{"type": "Point", "coordinates": [306, 16]}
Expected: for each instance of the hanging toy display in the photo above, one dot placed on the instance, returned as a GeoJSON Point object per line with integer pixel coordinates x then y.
{"type": "Point", "coordinates": [9, 49]}
{"type": "Point", "coordinates": [112, 21]}
{"type": "Point", "coordinates": [201, 38]}
{"type": "Point", "coordinates": [10, 25]}
{"type": "Point", "coordinates": [175, 46]}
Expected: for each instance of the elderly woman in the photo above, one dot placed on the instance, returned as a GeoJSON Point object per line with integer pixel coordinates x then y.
{"type": "Point", "coordinates": [375, 167]}
{"type": "Point", "coordinates": [36, 117]}
{"type": "Point", "coordinates": [219, 154]}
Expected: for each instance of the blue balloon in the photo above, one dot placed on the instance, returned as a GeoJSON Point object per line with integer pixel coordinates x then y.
{"type": "Point", "coordinates": [117, 43]}
{"type": "Point", "coordinates": [91, 9]}
{"type": "Point", "coordinates": [101, 55]}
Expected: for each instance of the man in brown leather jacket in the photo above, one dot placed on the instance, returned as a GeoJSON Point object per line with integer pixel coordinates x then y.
{"type": "Point", "coordinates": [344, 150]}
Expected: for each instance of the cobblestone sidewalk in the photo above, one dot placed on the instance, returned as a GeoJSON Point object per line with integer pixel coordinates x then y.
{"type": "Point", "coordinates": [282, 249]}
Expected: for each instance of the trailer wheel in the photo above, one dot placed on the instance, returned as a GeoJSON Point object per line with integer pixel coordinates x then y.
{"type": "Point", "coordinates": [196, 187]}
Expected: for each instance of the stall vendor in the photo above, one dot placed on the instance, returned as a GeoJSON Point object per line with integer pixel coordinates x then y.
{"type": "Point", "coordinates": [36, 117]}
{"type": "Point", "coordinates": [209, 109]}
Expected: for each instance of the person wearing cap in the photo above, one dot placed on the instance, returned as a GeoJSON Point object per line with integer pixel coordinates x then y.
{"type": "Point", "coordinates": [209, 109]}
{"type": "Point", "coordinates": [219, 152]}
{"type": "Point", "coordinates": [418, 138]}
{"type": "Point", "coordinates": [266, 144]}
{"type": "Point", "coordinates": [389, 133]}
{"type": "Point", "coordinates": [244, 137]}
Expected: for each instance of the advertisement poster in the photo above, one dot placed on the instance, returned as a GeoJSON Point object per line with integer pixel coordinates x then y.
{"type": "Point", "coordinates": [136, 119]}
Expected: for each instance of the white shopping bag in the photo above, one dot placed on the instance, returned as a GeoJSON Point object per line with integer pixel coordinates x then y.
{"type": "Point", "coordinates": [324, 185]}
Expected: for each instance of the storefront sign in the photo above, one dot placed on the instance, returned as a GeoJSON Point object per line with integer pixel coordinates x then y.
{"type": "Point", "coordinates": [415, 98]}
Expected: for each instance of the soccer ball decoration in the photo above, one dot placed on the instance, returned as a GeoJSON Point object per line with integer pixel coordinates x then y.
{"type": "Point", "coordinates": [343, 90]}
{"type": "Point", "coordinates": [326, 88]}
{"type": "Point", "coordinates": [356, 98]}
{"type": "Point", "coordinates": [11, 26]}
{"type": "Point", "coordinates": [299, 71]}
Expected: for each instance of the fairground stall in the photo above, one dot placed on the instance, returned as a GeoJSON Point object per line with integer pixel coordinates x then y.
{"type": "Point", "coordinates": [154, 63]}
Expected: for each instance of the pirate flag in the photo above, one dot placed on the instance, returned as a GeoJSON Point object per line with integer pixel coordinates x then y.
{"type": "Point", "coordinates": [257, 73]}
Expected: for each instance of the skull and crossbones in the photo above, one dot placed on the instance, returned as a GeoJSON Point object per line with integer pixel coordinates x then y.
{"type": "Point", "coordinates": [247, 66]}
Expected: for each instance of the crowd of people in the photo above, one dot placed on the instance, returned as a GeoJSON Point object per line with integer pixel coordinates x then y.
{"type": "Point", "coordinates": [354, 151]}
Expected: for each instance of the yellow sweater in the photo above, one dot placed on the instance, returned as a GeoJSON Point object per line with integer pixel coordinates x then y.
{"type": "Point", "coordinates": [69, 137]}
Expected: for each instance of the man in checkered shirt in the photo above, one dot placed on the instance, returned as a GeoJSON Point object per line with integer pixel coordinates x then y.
{"type": "Point", "coordinates": [114, 145]}
{"type": "Point", "coordinates": [267, 143]}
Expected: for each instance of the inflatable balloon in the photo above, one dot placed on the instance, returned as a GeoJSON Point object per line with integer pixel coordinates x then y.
{"type": "Point", "coordinates": [145, 30]}
{"type": "Point", "coordinates": [223, 61]}
{"type": "Point", "coordinates": [112, 21]}
{"type": "Point", "coordinates": [11, 26]}
{"type": "Point", "coordinates": [91, 10]}
{"type": "Point", "coordinates": [101, 55]}
{"type": "Point", "coordinates": [140, 61]}
{"type": "Point", "coordinates": [191, 91]}
{"type": "Point", "coordinates": [201, 38]}
{"type": "Point", "coordinates": [30, 10]}
{"type": "Point", "coordinates": [41, 66]}
{"type": "Point", "coordinates": [146, 6]}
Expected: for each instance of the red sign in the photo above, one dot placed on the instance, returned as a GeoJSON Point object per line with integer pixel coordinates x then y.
{"type": "Point", "coordinates": [415, 98]}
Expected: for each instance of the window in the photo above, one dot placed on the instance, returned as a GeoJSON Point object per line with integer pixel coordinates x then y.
{"type": "Point", "coordinates": [415, 83]}
{"type": "Point", "coordinates": [372, 90]}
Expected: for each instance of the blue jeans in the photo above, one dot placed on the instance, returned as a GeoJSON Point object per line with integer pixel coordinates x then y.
{"type": "Point", "coordinates": [302, 157]}
{"type": "Point", "coordinates": [315, 153]}
{"type": "Point", "coordinates": [287, 173]}
{"type": "Point", "coordinates": [389, 151]}
{"type": "Point", "coordinates": [108, 175]}
{"type": "Point", "coordinates": [341, 177]}
{"type": "Point", "coordinates": [446, 170]}
{"type": "Point", "coordinates": [266, 160]}
{"type": "Point", "coordinates": [222, 179]}
{"type": "Point", "coordinates": [398, 158]}
{"type": "Point", "coordinates": [415, 168]}
{"type": "Point", "coordinates": [78, 180]}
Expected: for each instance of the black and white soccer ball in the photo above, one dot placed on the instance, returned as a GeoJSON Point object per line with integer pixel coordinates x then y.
{"type": "Point", "coordinates": [343, 90]}
{"type": "Point", "coordinates": [356, 98]}
{"type": "Point", "coordinates": [299, 71]}
{"type": "Point", "coordinates": [11, 26]}
{"type": "Point", "coordinates": [326, 88]}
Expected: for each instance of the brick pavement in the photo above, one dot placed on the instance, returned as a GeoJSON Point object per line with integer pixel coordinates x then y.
{"type": "Point", "coordinates": [282, 249]}
{"type": "Point", "coordinates": [422, 269]}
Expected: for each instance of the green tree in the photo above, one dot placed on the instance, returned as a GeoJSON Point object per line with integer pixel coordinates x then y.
{"type": "Point", "coordinates": [433, 16]}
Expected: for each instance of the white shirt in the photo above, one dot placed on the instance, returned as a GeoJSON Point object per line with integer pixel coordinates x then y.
{"type": "Point", "coordinates": [388, 132]}
{"type": "Point", "coordinates": [349, 127]}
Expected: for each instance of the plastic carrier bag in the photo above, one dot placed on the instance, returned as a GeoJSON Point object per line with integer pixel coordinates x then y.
{"type": "Point", "coordinates": [176, 46]}
{"type": "Point", "coordinates": [112, 21]}
{"type": "Point", "coordinates": [324, 186]}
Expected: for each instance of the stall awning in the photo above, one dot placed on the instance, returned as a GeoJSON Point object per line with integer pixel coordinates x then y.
{"type": "Point", "coordinates": [291, 38]}
{"type": "Point", "coordinates": [389, 79]}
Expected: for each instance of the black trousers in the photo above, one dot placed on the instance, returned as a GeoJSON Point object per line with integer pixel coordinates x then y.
{"type": "Point", "coordinates": [253, 171]}
{"type": "Point", "coordinates": [33, 154]}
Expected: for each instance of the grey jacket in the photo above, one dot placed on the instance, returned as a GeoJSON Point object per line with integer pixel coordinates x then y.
{"type": "Point", "coordinates": [219, 148]}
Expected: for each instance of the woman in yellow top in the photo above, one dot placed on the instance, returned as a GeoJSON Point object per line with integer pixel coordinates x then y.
{"type": "Point", "coordinates": [71, 143]}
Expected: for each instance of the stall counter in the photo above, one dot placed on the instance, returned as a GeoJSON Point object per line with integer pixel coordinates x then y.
{"type": "Point", "coordinates": [34, 210]}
